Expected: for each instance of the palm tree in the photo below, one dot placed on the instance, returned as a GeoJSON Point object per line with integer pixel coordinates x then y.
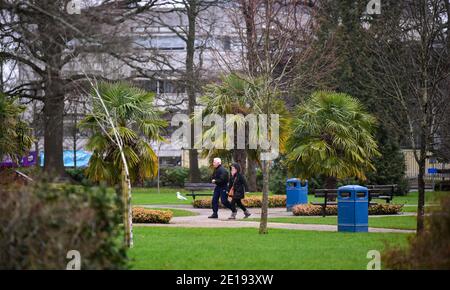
{"type": "Point", "coordinates": [137, 123]}
{"type": "Point", "coordinates": [123, 122]}
{"type": "Point", "coordinates": [239, 95]}
{"type": "Point", "coordinates": [332, 136]}
{"type": "Point", "coordinates": [15, 138]}
{"type": "Point", "coordinates": [231, 96]}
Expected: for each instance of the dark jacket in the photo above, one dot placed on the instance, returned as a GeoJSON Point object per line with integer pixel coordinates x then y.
{"type": "Point", "coordinates": [221, 176]}
{"type": "Point", "coordinates": [240, 186]}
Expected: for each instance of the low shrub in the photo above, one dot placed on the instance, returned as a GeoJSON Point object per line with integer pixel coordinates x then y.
{"type": "Point", "coordinates": [169, 176]}
{"type": "Point", "coordinates": [249, 201]}
{"type": "Point", "coordinates": [39, 225]}
{"type": "Point", "coordinates": [312, 210]}
{"type": "Point", "coordinates": [430, 250]}
{"type": "Point", "coordinates": [278, 176]}
{"type": "Point", "coordinates": [205, 174]}
{"type": "Point", "coordinates": [385, 209]}
{"type": "Point", "coordinates": [8, 176]}
{"type": "Point", "coordinates": [442, 185]}
{"type": "Point", "coordinates": [150, 216]}
{"type": "Point", "coordinates": [175, 176]}
{"type": "Point", "coordinates": [77, 174]}
{"type": "Point", "coordinates": [277, 201]}
{"type": "Point", "coordinates": [204, 203]}
{"type": "Point", "coordinates": [316, 210]}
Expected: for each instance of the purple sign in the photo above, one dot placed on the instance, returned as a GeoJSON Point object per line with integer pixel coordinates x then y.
{"type": "Point", "coordinates": [27, 161]}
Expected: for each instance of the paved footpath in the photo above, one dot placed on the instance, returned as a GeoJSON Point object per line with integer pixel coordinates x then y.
{"type": "Point", "coordinates": [201, 220]}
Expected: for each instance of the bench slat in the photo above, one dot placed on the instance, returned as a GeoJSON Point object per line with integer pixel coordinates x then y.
{"type": "Point", "coordinates": [199, 194]}
{"type": "Point", "coordinates": [199, 186]}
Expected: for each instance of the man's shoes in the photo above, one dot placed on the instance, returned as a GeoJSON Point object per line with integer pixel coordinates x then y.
{"type": "Point", "coordinates": [213, 216]}
{"type": "Point", "coordinates": [233, 215]}
{"type": "Point", "coordinates": [247, 214]}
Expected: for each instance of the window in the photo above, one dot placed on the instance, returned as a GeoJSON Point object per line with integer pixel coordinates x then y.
{"type": "Point", "coordinates": [226, 43]}
{"type": "Point", "coordinates": [170, 43]}
{"type": "Point", "coordinates": [170, 87]}
{"type": "Point", "coordinates": [160, 42]}
{"type": "Point", "coordinates": [142, 42]}
{"type": "Point", "coordinates": [162, 86]}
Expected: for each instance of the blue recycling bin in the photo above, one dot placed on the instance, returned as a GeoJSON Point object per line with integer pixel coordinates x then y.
{"type": "Point", "coordinates": [353, 208]}
{"type": "Point", "coordinates": [296, 192]}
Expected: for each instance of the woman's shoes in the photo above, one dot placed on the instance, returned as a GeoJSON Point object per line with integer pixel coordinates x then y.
{"type": "Point", "coordinates": [233, 216]}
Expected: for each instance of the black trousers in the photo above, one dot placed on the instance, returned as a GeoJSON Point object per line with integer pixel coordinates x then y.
{"type": "Point", "coordinates": [237, 201]}
{"type": "Point", "coordinates": [220, 193]}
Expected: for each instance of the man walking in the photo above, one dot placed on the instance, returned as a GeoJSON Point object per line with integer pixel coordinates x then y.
{"type": "Point", "coordinates": [220, 179]}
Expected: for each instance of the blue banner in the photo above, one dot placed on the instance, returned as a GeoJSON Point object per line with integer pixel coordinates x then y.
{"type": "Point", "coordinates": [68, 156]}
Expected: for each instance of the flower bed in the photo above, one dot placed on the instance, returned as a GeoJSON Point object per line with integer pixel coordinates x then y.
{"type": "Point", "coordinates": [150, 216]}
{"type": "Point", "coordinates": [316, 210]}
{"type": "Point", "coordinates": [250, 201]}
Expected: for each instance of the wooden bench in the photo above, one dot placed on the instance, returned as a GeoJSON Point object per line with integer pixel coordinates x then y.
{"type": "Point", "coordinates": [385, 192]}
{"type": "Point", "coordinates": [329, 196]}
{"type": "Point", "coordinates": [194, 187]}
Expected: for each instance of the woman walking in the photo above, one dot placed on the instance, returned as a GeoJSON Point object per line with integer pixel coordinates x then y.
{"type": "Point", "coordinates": [236, 190]}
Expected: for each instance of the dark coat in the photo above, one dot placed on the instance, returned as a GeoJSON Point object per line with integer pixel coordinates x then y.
{"type": "Point", "coordinates": [240, 186]}
{"type": "Point", "coordinates": [220, 174]}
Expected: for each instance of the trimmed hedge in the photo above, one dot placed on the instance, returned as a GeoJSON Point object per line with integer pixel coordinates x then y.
{"type": "Point", "coordinates": [150, 216]}
{"type": "Point", "coordinates": [316, 210]}
{"type": "Point", "coordinates": [250, 201]}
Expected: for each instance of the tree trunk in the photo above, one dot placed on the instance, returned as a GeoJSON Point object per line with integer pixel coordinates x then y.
{"type": "Point", "coordinates": [331, 183]}
{"type": "Point", "coordinates": [421, 188]}
{"type": "Point", "coordinates": [240, 157]}
{"type": "Point", "coordinates": [251, 174]}
{"type": "Point", "coordinates": [38, 157]}
{"type": "Point", "coordinates": [191, 83]}
{"type": "Point", "coordinates": [125, 191]}
{"type": "Point", "coordinates": [54, 125]}
{"type": "Point", "coordinates": [249, 11]}
{"type": "Point", "coordinates": [75, 131]}
{"type": "Point", "coordinates": [265, 198]}
{"type": "Point", "coordinates": [248, 8]}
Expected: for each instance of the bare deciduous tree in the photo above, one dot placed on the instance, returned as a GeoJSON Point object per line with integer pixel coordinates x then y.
{"type": "Point", "coordinates": [42, 38]}
{"type": "Point", "coordinates": [412, 56]}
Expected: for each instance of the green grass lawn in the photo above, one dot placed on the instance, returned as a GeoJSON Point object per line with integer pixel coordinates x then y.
{"type": "Point", "coordinates": [391, 222]}
{"type": "Point", "coordinates": [177, 212]}
{"type": "Point", "coordinates": [244, 248]}
{"type": "Point", "coordinates": [428, 208]}
{"type": "Point", "coordinates": [151, 196]}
